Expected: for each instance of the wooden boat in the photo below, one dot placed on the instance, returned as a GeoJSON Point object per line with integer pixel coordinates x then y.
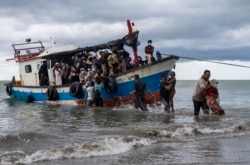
{"type": "Point", "coordinates": [30, 56]}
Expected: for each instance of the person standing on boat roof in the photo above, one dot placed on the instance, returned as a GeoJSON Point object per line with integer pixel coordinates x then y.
{"type": "Point", "coordinates": [139, 91]}
{"type": "Point", "coordinates": [199, 95]}
{"type": "Point", "coordinates": [149, 50]}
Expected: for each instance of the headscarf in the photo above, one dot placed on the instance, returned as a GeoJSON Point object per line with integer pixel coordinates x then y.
{"type": "Point", "coordinates": [214, 83]}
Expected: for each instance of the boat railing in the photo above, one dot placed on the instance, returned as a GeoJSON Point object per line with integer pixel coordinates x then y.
{"type": "Point", "coordinates": [27, 51]}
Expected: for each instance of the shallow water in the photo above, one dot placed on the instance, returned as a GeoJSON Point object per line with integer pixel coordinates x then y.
{"type": "Point", "coordinates": [54, 134]}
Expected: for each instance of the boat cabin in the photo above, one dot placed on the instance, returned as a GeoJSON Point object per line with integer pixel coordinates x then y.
{"type": "Point", "coordinates": [32, 55]}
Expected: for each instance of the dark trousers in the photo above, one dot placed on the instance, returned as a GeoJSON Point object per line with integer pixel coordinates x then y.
{"type": "Point", "coordinates": [166, 104]}
{"type": "Point", "coordinates": [90, 103]}
{"type": "Point", "coordinates": [200, 104]}
{"type": "Point", "coordinates": [99, 102]}
{"type": "Point", "coordinates": [65, 80]}
{"type": "Point", "coordinates": [139, 103]}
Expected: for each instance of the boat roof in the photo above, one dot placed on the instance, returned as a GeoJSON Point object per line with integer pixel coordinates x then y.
{"type": "Point", "coordinates": [33, 50]}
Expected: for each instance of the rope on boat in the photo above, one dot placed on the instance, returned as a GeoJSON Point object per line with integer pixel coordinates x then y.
{"type": "Point", "coordinates": [197, 59]}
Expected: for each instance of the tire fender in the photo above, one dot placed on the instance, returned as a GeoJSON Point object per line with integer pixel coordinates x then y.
{"type": "Point", "coordinates": [52, 93]}
{"type": "Point", "coordinates": [75, 90]}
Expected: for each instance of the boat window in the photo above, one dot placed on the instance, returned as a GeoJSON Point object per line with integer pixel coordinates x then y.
{"type": "Point", "coordinates": [28, 69]}
{"type": "Point", "coordinates": [38, 66]}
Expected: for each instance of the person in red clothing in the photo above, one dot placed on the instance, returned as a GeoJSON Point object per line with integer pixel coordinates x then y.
{"type": "Point", "coordinates": [212, 96]}
{"type": "Point", "coordinates": [149, 50]}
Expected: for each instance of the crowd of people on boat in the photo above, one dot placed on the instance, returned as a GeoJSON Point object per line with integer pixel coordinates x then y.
{"type": "Point", "coordinates": [93, 67]}
{"type": "Point", "coordinates": [85, 65]}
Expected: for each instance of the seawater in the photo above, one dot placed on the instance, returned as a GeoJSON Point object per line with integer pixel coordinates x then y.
{"type": "Point", "coordinates": [43, 134]}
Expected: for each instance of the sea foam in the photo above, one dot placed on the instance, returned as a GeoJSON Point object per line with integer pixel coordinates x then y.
{"type": "Point", "coordinates": [107, 146]}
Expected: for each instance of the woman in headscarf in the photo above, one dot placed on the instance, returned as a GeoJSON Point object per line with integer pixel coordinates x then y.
{"type": "Point", "coordinates": [57, 73]}
{"type": "Point", "coordinates": [212, 96]}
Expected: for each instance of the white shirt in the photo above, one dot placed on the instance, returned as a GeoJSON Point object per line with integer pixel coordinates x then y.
{"type": "Point", "coordinates": [90, 92]}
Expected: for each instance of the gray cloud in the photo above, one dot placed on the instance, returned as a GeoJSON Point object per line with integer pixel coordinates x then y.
{"type": "Point", "coordinates": [211, 29]}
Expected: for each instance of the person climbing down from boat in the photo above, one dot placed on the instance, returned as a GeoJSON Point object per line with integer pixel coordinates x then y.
{"type": "Point", "coordinates": [82, 75]}
{"type": "Point", "coordinates": [104, 62]}
{"type": "Point", "coordinates": [199, 95]}
{"type": "Point", "coordinates": [149, 50]}
{"type": "Point", "coordinates": [165, 92]}
{"type": "Point", "coordinates": [139, 91]}
{"type": "Point", "coordinates": [99, 75]}
{"type": "Point", "coordinates": [113, 62]}
{"type": "Point", "coordinates": [172, 82]}
{"type": "Point", "coordinates": [96, 65]}
{"type": "Point", "coordinates": [90, 93]}
{"type": "Point", "coordinates": [98, 91]}
{"type": "Point", "coordinates": [57, 73]}
{"type": "Point", "coordinates": [123, 57]}
{"type": "Point", "coordinates": [213, 98]}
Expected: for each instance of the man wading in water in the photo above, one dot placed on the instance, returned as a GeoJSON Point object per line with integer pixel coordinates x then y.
{"type": "Point", "coordinates": [139, 91]}
{"type": "Point", "coordinates": [165, 92]}
{"type": "Point", "coordinates": [199, 95]}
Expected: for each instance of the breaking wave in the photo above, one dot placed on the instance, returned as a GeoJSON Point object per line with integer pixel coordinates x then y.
{"type": "Point", "coordinates": [185, 131]}
{"type": "Point", "coordinates": [24, 137]}
{"type": "Point", "coordinates": [108, 146]}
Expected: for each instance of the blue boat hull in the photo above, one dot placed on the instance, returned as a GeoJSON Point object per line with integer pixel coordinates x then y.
{"type": "Point", "coordinates": [150, 74]}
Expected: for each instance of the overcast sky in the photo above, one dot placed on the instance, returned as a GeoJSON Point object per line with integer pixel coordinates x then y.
{"type": "Point", "coordinates": [216, 30]}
